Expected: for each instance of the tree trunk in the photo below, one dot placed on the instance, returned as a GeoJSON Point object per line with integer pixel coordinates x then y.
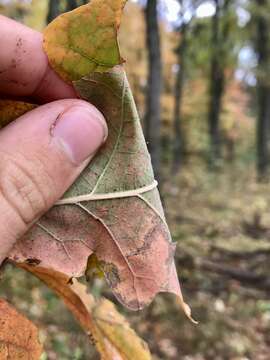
{"type": "Point", "coordinates": [178, 143]}
{"type": "Point", "coordinates": [263, 122]}
{"type": "Point", "coordinates": [53, 10]}
{"type": "Point", "coordinates": [71, 4]}
{"type": "Point", "coordinates": [220, 34]}
{"type": "Point", "coordinates": [216, 89]}
{"type": "Point", "coordinates": [153, 108]}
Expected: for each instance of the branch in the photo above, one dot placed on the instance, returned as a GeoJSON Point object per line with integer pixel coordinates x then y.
{"type": "Point", "coordinates": [241, 254]}
{"type": "Point", "coordinates": [258, 281]}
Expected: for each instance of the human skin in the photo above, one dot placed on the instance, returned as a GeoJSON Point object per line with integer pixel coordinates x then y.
{"type": "Point", "coordinates": [45, 150]}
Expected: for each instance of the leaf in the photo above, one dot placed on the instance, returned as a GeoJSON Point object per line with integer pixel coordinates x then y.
{"type": "Point", "coordinates": [116, 333]}
{"type": "Point", "coordinates": [11, 110]}
{"type": "Point", "coordinates": [85, 40]}
{"type": "Point", "coordinates": [18, 336]}
{"type": "Point", "coordinates": [114, 209]}
{"type": "Point", "coordinates": [109, 330]}
{"type": "Point", "coordinates": [128, 235]}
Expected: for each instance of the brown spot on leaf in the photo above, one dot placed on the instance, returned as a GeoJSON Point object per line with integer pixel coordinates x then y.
{"type": "Point", "coordinates": [33, 262]}
{"type": "Point", "coordinates": [111, 272]}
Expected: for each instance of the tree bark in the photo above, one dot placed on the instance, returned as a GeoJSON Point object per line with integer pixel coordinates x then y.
{"type": "Point", "coordinates": [178, 143]}
{"type": "Point", "coordinates": [216, 89]}
{"type": "Point", "coordinates": [263, 88]}
{"type": "Point", "coordinates": [53, 10]}
{"type": "Point", "coordinates": [220, 34]}
{"type": "Point", "coordinates": [179, 139]}
{"type": "Point", "coordinates": [153, 106]}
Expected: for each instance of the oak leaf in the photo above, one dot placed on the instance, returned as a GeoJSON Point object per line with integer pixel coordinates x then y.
{"type": "Point", "coordinates": [11, 109]}
{"type": "Point", "coordinates": [113, 210]}
{"type": "Point", "coordinates": [128, 234]}
{"type": "Point", "coordinates": [18, 336]}
{"type": "Point", "coordinates": [85, 40]}
{"type": "Point", "coordinates": [107, 329]}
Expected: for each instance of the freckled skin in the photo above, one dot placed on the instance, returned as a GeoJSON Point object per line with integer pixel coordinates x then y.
{"type": "Point", "coordinates": [17, 78]}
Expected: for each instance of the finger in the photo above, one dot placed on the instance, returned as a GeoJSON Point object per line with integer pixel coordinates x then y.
{"type": "Point", "coordinates": [41, 154]}
{"type": "Point", "coordinates": [24, 68]}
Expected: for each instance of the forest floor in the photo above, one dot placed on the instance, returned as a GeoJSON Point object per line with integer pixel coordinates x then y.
{"type": "Point", "coordinates": [221, 223]}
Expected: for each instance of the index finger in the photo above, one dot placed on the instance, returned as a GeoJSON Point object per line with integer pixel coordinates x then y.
{"type": "Point", "coordinates": [24, 67]}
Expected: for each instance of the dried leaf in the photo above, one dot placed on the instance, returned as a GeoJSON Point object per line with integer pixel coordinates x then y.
{"type": "Point", "coordinates": [112, 335]}
{"type": "Point", "coordinates": [18, 336]}
{"type": "Point", "coordinates": [11, 110]}
{"type": "Point", "coordinates": [115, 331]}
{"type": "Point", "coordinates": [114, 209]}
{"type": "Point", "coordinates": [128, 235]}
{"type": "Point", "coordinates": [85, 40]}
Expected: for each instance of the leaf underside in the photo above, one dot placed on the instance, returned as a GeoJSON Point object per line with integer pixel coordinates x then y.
{"type": "Point", "coordinates": [129, 236]}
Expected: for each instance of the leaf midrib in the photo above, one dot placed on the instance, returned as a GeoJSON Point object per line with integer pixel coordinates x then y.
{"type": "Point", "coordinates": [117, 140]}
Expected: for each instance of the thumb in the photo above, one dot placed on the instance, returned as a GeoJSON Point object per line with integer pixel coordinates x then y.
{"type": "Point", "coordinates": [41, 154]}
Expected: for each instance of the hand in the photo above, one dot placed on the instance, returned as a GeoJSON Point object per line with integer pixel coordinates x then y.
{"type": "Point", "coordinates": [43, 151]}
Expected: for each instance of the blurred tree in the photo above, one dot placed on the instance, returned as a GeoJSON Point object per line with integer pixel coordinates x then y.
{"type": "Point", "coordinates": [14, 9]}
{"type": "Point", "coordinates": [263, 87]}
{"type": "Point", "coordinates": [71, 4]}
{"type": "Point", "coordinates": [153, 106]}
{"type": "Point", "coordinates": [220, 33]}
{"type": "Point", "coordinates": [36, 16]}
{"type": "Point", "coordinates": [53, 10]}
{"type": "Point", "coordinates": [187, 8]}
{"type": "Point", "coordinates": [134, 52]}
{"type": "Point", "coordinates": [178, 143]}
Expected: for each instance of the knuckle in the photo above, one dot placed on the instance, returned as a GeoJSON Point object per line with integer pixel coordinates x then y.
{"type": "Point", "coordinates": [24, 186]}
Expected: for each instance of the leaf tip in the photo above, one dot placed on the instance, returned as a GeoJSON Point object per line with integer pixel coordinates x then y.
{"type": "Point", "coordinates": [187, 310]}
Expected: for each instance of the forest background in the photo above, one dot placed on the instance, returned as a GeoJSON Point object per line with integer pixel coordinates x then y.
{"type": "Point", "coordinates": [200, 74]}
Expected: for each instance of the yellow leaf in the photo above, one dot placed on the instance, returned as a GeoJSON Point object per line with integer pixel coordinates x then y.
{"type": "Point", "coordinates": [85, 40]}
{"type": "Point", "coordinates": [116, 333]}
{"type": "Point", "coordinates": [110, 332]}
{"type": "Point", "coordinates": [11, 110]}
